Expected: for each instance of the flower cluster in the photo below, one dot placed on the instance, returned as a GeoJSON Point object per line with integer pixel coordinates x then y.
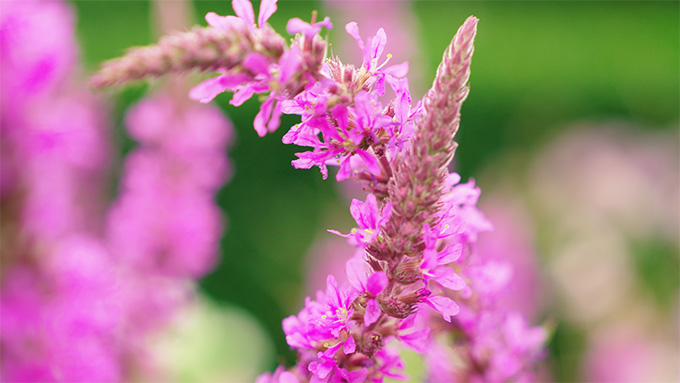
{"type": "Point", "coordinates": [416, 277]}
{"type": "Point", "coordinates": [165, 218]}
{"type": "Point", "coordinates": [164, 227]}
{"type": "Point", "coordinates": [82, 289]}
{"type": "Point", "coordinates": [56, 289]}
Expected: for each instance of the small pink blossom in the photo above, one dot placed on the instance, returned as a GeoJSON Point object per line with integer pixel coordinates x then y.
{"type": "Point", "coordinates": [369, 218]}
{"type": "Point", "coordinates": [372, 53]}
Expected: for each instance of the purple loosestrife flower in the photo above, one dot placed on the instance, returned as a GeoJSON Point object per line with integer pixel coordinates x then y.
{"type": "Point", "coordinates": [343, 136]}
{"type": "Point", "coordinates": [356, 130]}
{"type": "Point", "coordinates": [296, 25]}
{"type": "Point", "coordinates": [394, 285]}
{"type": "Point", "coordinates": [369, 218]}
{"type": "Point", "coordinates": [495, 339]}
{"type": "Point", "coordinates": [265, 74]}
{"type": "Point", "coordinates": [58, 299]}
{"type": "Point", "coordinates": [75, 306]}
{"type": "Point", "coordinates": [433, 265]}
{"type": "Point", "coordinates": [60, 320]}
{"type": "Point", "coordinates": [261, 68]}
{"type": "Point", "coordinates": [372, 53]}
{"type": "Point", "coordinates": [417, 225]}
{"type": "Point", "coordinates": [165, 218]}
{"type": "Point", "coordinates": [369, 286]}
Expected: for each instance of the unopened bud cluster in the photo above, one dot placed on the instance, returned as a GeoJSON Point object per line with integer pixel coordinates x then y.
{"type": "Point", "coordinates": [204, 49]}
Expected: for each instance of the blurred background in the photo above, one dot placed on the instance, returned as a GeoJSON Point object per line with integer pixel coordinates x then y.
{"type": "Point", "coordinates": [570, 130]}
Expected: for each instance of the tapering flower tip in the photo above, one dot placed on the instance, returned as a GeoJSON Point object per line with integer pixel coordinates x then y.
{"type": "Point", "coordinates": [455, 65]}
{"type": "Point", "coordinates": [442, 103]}
{"type": "Point", "coordinates": [466, 33]}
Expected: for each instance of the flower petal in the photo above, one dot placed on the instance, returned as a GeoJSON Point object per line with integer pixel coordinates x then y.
{"type": "Point", "coordinates": [297, 25]}
{"type": "Point", "coordinates": [377, 46]}
{"type": "Point", "coordinates": [353, 29]}
{"type": "Point", "coordinates": [372, 312]}
{"type": "Point", "coordinates": [275, 119]}
{"type": "Point", "coordinates": [267, 9]}
{"type": "Point", "coordinates": [349, 346]}
{"type": "Point", "coordinates": [450, 254]}
{"type": "Point", "coordinates": [345, 170]}
{"type": "Point", "coordinates": [256, 63]}
{"type": "Point", "coordinates": [448, 278]}
{"type": "Point", "coordinates": [207, 90]}
{"type": "Point", "coordinates": [355, 270]}
{"type": "Point", "coordinates": [444, 306]}
{"type": "Point", "coordinates": [377, 282]}
{"type": "Point", "coordinates": [357, 376]}
{"type": "Point", "coordinates": [399, 70]}
{"type": "Point", "coordinates": [417, 340]}
{"type": "Point", "coordinates": [289, 63]}
{"type": "Point", "coordinates": [242, 94]}
{"type": "Point", "coordinates": [244, 10]}
{"type": "Point", "coordinates": [218, 22]}
{"type": "Point", "coordinates": [263, 116]}
{"type": "Point", "coordinates": [326, 22]}
{"type": "Point", "coordinates": [370, 161]}
{"type": "Point", "coordinates": [288, 377]}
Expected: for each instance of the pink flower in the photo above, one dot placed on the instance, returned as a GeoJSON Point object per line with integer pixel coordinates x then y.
{"type": "Point", "coordinates": [258, 77]}
{"type": "Point", "coordinates": [342, 135]}
{"type": "Point", "coordinates": [165, 217]}
{"type": "Point", "coordinates": [39, 51]}
{"type": "Point", "coordinates": [434, 262]}
{"type": "Point", "coordinates": [369, 218]}
{"type": "Point", "coordinates": [370, 286]}
{"type": "Point", "coordinates": [462, 213]}
{"type": "Point", "coordinates": [296, 25]}
{"type": "Point", "coordinates": [324, 324]}
{"type": "Point", "coordinates": [413, 331]}
{"type": "Point", "coordinates": [372, 53]}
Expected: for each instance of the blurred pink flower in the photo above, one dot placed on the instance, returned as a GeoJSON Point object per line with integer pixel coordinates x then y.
{"type": "Point", "coordinates": [165, 218]}
{"type": "Point", "coordinates": [38, 51]}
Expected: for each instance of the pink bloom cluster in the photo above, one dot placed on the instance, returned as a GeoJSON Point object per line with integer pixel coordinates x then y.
{"type": "Point", "coordinates": [496, 344]}
{"type": "Point", "coordinates": [164, 227]}
{"type": "Point", "coordinates": [79, 293]}
{"type": "Point", "coordinates": [58, 316]}
{"type": "Point", "coordinates": [259, 73]}
{"type": "Point", "coordinates": [165, 218]}
{"type": "Point", "coordinates": [416, 277]}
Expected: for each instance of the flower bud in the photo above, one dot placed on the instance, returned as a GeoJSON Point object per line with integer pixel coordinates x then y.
{"type": "Point", "coordinates": [372, 342]}
{"type": "Point", "coordinates": [394, 307]}
{"type": "Point", "coordinates": [415, 297]}
{"type": "Point", "coordinates": [408, 273]}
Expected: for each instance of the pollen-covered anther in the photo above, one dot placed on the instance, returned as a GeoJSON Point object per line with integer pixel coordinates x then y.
{"type": "Point", "coordinates": [374, 63]}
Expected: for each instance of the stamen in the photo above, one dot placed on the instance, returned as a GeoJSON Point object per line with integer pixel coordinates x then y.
{"type": "Point", "coordinates": [375, 61]}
